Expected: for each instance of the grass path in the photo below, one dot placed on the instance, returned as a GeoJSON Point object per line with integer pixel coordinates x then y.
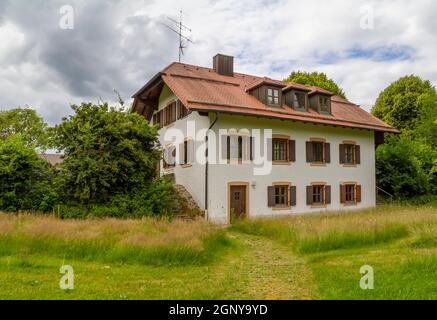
{"type": "Point", "coordinates": [267, 270]}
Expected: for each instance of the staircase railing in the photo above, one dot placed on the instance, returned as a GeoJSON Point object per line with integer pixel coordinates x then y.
{"type": "Point", "coordinates": [385, 192]}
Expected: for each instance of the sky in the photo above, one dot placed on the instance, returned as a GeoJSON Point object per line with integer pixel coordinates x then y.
{"type": "Point", "coordinates": [52, 56]}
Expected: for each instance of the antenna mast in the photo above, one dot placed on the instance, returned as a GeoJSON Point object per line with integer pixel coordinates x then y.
{"type": "Point", "coordinates": [179, 28]}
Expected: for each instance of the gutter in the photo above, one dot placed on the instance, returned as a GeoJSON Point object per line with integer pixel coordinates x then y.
{"type": "Point", "coordinates": [207, 166]}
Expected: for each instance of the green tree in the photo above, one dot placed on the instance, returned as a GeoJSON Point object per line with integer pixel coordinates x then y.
{"type": "Point", "coordinates": [25, 179]}
{"type": "Point", "coordinates": [107, 153]}
{"type": "Point", "coordinates": [27, 123]}
{"type": "Point", "coordinates": [400, 167]}
{"type": "Point", "coordinates": [318, 79]}
{"type": "Point", "coordinates": [400, 104]}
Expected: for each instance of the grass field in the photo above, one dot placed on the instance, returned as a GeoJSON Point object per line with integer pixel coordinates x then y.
{"type": "Point", "coordinates": [304, 257]}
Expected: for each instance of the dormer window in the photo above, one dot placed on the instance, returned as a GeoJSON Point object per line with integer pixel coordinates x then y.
{"type": "Point", "coordinates": [273, 97]}
{"type": "Point", "coordinates": [324, 104]}
{"type": "Point", "coordinates": [299, 100]}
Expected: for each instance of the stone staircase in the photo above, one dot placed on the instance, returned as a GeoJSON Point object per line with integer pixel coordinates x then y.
{"type": "Point", "coordinates": [192, 208]}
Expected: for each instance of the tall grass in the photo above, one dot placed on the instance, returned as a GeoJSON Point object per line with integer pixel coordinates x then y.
{"type": "Point", "coordinates": [148, 241]}
{"type": "Point", "coordinates": [333, 231]}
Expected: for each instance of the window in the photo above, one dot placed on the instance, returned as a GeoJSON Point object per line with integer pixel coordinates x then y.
{"type": "Point", "coordinates": [273, 96]}
{"type": "Point", "coordinates": [318, 151]}
{"type": "Point", "coordinates": [281, 195]}
{"type": "Point", "coordinates": [299, 100]}
{"type": "Point", "coordinates": [318, 194]}
{"type": "Point", "coordinates": [280, 150]}
{"type": "Point", "coordinates": [236, 148]}
{"type": "Point", "coordinates": [350, 193]}
{"type": "Point", "coordinates": [182, 111]}
{"type": "Point", "coordinates": [169, 160]}
{"type": "Point", "coordinates": [324, 104]}
{"type": "Point", "coordinates": [350, 154]}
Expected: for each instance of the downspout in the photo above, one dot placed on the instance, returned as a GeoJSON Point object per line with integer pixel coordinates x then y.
{"type": "Point", "coordinates": [207, 166]}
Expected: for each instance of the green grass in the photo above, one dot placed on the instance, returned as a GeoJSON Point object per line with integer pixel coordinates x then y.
{"type": "Point", "coordinates": [300, 257]}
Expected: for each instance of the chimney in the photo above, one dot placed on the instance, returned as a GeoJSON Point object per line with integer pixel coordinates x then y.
{"type": "Point", "coordinates": [223, 65]}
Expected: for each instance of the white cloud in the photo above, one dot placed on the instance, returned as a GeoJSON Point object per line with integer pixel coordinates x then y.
{"type": "Point", "coordinates": [120, 44]}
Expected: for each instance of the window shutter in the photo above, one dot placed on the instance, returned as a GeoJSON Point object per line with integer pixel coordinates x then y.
{"type": "Point", "coordinates": [271, 196]}
{"type": "Point", "coordinates": [190, 151]}
{"type": "Point", "coordinates": [246, 148]}
{"type": "Point", "coordinates": [327, 194]}
{"type": "Point", "coordinates": [358, 193]}
{"type": "Point", "coordinates": [269, 149]}
{"type": "Point", "coordinates": [342, 154]}
{"type": "Point", "coordinates": [251, 149]}
{"type": "Point", "coordinates": [309, 151]}
{"type": "Point", "coordinates": [327, 152]}
{"type": "Point", "coordinates": [224, 153]}
{"type": "Point", "coordinates": [292, 150]}
{"type": "Point", "coordinates": [342, 193]}
{"type": "Point", "coordinates": [309, 195]}
{"type": "Point", "coordinates": [357, 154]}
{"type": "Point", "coordinates": [293, 195]}
{"type": "Point", "coordinates": [181, 153]}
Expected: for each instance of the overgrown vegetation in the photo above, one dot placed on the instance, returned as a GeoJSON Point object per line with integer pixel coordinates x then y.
{"type": "Point", "coordinates": [406, 164]}
{"type": "Point", "coordinates": [108, 168]}
{"type": "Point", "coordinates": [302, 257]}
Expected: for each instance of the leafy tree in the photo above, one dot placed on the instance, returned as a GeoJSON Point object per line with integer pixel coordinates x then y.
{"type": "Point", "coordinates": [25, 122]}
{"type": "Point", "coordinates": [318, 79]}
{"type": "Point", "coordinates": [106, 153]}
{"type": "Point", "coordinates": [400, 168]}
{"type": "Point", "coordinates": [401, 103]}
{"type": "Point", "coordinates": [25, 179]}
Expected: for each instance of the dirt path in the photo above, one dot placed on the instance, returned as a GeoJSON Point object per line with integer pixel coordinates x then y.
{"type": "Point", "coordinates": [267, 270]}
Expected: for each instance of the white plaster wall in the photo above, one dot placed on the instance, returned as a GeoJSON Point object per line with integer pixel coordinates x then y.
{"type": "Point", "coordinates": [298, 173]}
{"type": "Point", "coordinates": [191, 177]}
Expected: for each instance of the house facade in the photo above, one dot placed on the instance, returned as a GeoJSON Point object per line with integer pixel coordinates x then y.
{"type": "Point", "coordinates": [273, 147]}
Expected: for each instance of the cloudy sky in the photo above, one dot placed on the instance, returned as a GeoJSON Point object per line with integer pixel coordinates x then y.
{"type": "Point", "coordinates": [114, 44]}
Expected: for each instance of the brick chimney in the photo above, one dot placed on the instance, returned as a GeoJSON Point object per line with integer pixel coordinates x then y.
{"type": "Point", "coordinates": [223, 65]}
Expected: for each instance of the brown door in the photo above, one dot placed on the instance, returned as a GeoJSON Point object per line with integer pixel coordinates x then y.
{"type": "Point", "coordinates": [238, 202]}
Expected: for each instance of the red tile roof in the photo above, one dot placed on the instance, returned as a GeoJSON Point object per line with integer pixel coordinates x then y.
{"type": "Point", "coordinates": [202, 89]}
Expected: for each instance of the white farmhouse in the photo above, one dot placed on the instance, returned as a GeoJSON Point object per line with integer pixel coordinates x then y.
{"type": "Point", "coordinates": [274, 147]}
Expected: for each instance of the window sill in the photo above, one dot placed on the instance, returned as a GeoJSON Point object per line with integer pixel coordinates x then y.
{"type": "Point", "coordinates": [281, 163]}
{"type": "Point", "coordinates": [349, 165]}
{"type": "Point", "coordinates": [188, 165]}
{"type": "Point", "coordinates": [318, 206]}
{"type": "Point", "coordinates": [279, 208]}
{"type": "Point", "coordinates": [318, 164]}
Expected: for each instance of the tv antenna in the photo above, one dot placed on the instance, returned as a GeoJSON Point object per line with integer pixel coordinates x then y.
{"type": "Point", "coordinates": [181, 30]}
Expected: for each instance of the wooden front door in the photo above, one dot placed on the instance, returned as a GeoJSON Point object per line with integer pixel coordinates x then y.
{"type": "Point", "coordinates": [238, 205]}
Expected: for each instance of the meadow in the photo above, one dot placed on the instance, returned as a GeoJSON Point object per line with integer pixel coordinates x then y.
{"type": "Point", "coordinates": [297, 257]}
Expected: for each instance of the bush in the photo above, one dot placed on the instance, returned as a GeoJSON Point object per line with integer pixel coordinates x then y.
{"type": "Point", "coordinates": [25, 179]}
{"type": "Point", "coordinates": [158, 199]}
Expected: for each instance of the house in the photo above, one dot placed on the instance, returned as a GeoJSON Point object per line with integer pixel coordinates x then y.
{"type": "Point", "coordinates": [273, 147]}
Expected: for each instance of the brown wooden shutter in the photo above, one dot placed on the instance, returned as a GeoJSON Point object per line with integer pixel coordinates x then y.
{"type": "Point", "coordinates": [182, 153]}
{"type": "Point", "coordinates": [358, 193]}
{"type": "Point", "coordinates": [309, 195]}
{"type": "Point", "coordinates": [327, 194]}
{"type": "Point", "coordinates": [342, 193]}
{"type": "Point", "coordinates": [269, 149]}
{"type": "Point", "coordinates": [342, 154]}
{"type": "Point", "coordinates": [251, 149]}
{"type": "Point", "coordinates": [292, 150]}
{"type": "Point", "coordinates": [224, 153]}
{"type": "Point", "coordinates": [293, 195]}
{"type": "Point", "coordinates": [309, 151]}
{"type": "Point", "coordinates": [327, 152]}
{"type": "Point", "coordinates": [357, 154]}
{"type": "Point", "coordinates": [271, 196]}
